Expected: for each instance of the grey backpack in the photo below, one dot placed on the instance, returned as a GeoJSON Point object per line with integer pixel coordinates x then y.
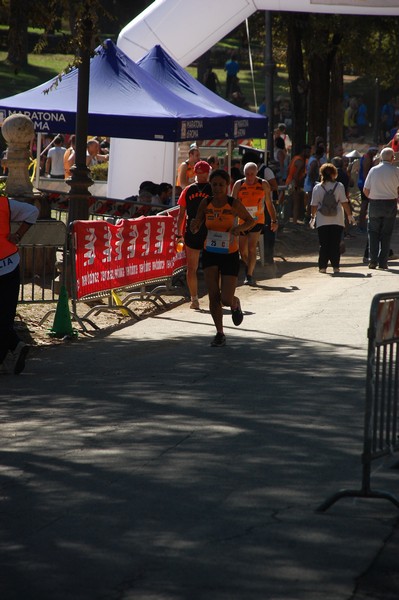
{"type": "Point", "coordinates": [329, 204]}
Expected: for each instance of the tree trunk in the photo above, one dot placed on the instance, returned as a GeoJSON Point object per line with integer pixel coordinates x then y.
{"type": "Point", "coordinates": [203, 64]}
{"type": "Point", "coordinates": [336, 111]}
{"type": "Point", "coordinates": [298, 83]}
{"type": "Point", "coordinates": [18, 33]}
{"type": "Point", "coordinates": [319, 91]}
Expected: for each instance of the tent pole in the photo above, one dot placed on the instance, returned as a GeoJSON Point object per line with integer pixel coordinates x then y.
{"type": "Point", "coordinates": [38, 157]}
{"type": "Point", "coordinates": [174, 174]}
{"type": "Point", "coordinates": [229, 153]}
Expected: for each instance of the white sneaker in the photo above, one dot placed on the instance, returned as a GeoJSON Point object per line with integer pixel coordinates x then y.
{"type": "Point", "coordinates": [20, 354]}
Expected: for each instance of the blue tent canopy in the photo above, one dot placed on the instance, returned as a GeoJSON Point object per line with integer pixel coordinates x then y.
{"type": "Point", "coordinates": [159, 64]}
{"type": "Point", "coordinates": [124, 102]}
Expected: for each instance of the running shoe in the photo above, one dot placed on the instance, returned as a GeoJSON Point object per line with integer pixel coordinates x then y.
{"type": "Point", "coordinates": [194, 305]}
{"type": "Point", "coordinates": [237, 315]}
{"type": "Point", "coordinates": [20, 354]}
{"type": "Point", "coordinates": [219, 340]}
{"type": "Point", "coordinates": [249, 280]}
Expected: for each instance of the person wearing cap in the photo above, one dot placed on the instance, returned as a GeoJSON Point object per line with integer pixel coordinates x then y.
{"type": "Point", "coordinates": [382, 189]}
{"type": "Point", "coordinates": [186, 173]}
{"type": "Point", "coordinates": [189, 201]}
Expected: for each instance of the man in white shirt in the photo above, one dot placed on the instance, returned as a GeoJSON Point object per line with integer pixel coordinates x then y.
{"type": "Point", "coordinates": [381, 188]}
{"type": "Point", "coordinates": [55, 159]}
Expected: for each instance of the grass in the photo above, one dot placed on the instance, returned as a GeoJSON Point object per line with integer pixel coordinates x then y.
{"type": "Point", "coordinates": [40, 68]}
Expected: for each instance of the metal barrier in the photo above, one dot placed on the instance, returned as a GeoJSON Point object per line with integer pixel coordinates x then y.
{"type": "Point", "coordinates": [381, 426]}
{"type": "Point", "coordinates": [38, 265]}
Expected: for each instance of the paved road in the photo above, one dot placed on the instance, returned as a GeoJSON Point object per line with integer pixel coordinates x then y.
{"type": "Point", "coordinates": [149, 466]}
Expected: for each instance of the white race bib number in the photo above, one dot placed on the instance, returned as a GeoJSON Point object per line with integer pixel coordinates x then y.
{"type": "Point", "coordinates": [218, 241]}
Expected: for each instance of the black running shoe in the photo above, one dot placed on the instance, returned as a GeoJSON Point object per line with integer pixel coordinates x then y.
{"type": "Point", "coordinates": [20, 354]}
{"type": "Point", "coordinates": [236, 314]}
{"type": "Point", "coordinates": [219, 340]}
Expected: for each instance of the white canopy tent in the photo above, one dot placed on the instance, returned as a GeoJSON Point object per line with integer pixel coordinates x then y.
{"type": "Point", "coordinates": [186, 29]}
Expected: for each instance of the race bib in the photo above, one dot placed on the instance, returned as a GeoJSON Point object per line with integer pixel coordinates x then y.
{"type": "Point", "coordinates": [218, 241]}
{"type": "Point", "coordinates": [252, 211]}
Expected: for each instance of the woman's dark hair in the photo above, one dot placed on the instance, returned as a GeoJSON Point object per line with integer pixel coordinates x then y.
{"type": "Point", "coordinates": [328, 172]}
{"type": "Point", "coordinates": [220, 173]}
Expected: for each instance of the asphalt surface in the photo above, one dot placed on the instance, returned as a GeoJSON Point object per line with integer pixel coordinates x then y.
{"type": "Point", "coordinates": [147, 465]}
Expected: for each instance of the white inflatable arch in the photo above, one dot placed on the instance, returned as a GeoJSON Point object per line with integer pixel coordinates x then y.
{"type": "Point", "coordinates": [186, 29]}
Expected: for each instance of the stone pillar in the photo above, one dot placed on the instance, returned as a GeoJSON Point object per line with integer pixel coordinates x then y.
{"type": "Point", "coordinates": [18, 131]}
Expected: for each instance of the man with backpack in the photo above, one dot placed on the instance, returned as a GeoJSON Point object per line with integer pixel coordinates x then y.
{"type": "Point", "coordinates": [329, 202]}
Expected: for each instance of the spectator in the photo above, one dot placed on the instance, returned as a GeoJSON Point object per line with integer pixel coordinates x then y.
{"type": "Point", "coordinates": [329, 227]}
{"type": "Point", "coordinates": [232, 68]}
{"type": "Point", "coordinates": [93, 153]}
{"type": "Point", "coordinates": [362, 120]}
{"type": "Point", "coordinates": [213, 161]}
{"type": "Point", "coordinates": [295, 181]}
{"type": "Point", "coordinates": [211, 81]}
{"type": "Point", "coordinates": [262, 107]}
{"type": "Point", "coordinates": [366, 162]}
{"type": "Point", "coordinates": [312, 175]}
{"type": "Point", "coordinates": [381, 188]}
{"type": "Point", "coordinates": [165, 191]}
{"type": "Point", "coordinates": [70, 156]}
{"type": "Point", "coordinates": [55, 159]}
{"type": "Point", "coordinates": [25, 214]}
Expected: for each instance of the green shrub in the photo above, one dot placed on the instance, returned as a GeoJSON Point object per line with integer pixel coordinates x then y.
{"type": "Point", "coordinates": [99, 172]}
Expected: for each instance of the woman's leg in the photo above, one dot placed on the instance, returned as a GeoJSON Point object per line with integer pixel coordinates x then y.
{"type": "Point", "coordinates": [228, 288]}
{"type": "Point", "coordinates": [323, 248]}
{"type": "Point", "coordinates": [334, 241]}
{"type": "Point", "coordinates": [211, 276]}
{"type": "Point", "coordinates": [243, 244]}
{"type": "Point", "coordinates": [253, 239]}
{"type": "Point", "coordinates": [192, 267]}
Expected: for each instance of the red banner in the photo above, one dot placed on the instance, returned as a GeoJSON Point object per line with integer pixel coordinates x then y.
{"type": "Point", "coordinates": [131, 251]}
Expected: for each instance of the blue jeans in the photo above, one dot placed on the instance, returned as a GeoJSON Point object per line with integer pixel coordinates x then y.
{"type": "Point", "coordinates": [382, 215]}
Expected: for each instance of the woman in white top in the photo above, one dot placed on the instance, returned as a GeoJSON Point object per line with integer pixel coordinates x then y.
{"type": "Point", "coordinates": [330, 227]}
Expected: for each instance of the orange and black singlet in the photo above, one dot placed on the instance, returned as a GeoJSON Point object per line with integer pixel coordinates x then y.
{"type": "Point", "coordinates": [253, 198]}
{"type": "Point", "coordinates": [219, 221]}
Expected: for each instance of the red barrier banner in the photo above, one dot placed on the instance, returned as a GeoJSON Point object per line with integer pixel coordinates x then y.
{"type": "Point", "coordinates": [180, 257]}
{"type": "Point", "coordinates": [131, 251]}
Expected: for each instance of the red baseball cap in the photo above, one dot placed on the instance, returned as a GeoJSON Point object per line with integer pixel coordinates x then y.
{"type": "Point", "coordinates": [202, 167]}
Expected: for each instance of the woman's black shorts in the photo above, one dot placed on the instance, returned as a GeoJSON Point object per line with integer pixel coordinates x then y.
{"type": "Point", "coordinates": [228, 264]}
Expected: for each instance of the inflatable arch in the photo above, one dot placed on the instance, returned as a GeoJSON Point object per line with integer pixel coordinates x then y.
{"type": "Point", "coordinates": [186, 29]}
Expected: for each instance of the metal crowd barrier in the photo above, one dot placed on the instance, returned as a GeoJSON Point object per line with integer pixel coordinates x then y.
{"type": "Point", "coordinates": [381, 418]}
{"type": "Point", "coordinates": [41, 249]}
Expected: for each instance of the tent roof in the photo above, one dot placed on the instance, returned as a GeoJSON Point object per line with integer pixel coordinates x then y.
{"type": "Point", "coordinates": [124, 102]}
{"type": "Point", "coordinates": [158, 63]}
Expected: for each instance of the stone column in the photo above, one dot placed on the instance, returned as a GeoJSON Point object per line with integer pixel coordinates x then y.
{"type": "Point", "coordinates": [18, 131]}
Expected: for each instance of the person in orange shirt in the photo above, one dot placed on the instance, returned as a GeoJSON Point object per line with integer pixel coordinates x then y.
{"type": "Point", "coordinates": [295, 180]}
{"type": "Point", "coordinates": [220, 257]}
{"type": "Point", "coordinates": [254, 193]}
{"type": "Point", "coordinates": [186, 174]}
{"type": "Point", "coordinates": [69, 156]}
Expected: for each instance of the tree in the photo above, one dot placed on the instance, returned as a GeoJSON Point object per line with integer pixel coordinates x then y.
{"type": "Point", "coordinates": [18, 33]}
